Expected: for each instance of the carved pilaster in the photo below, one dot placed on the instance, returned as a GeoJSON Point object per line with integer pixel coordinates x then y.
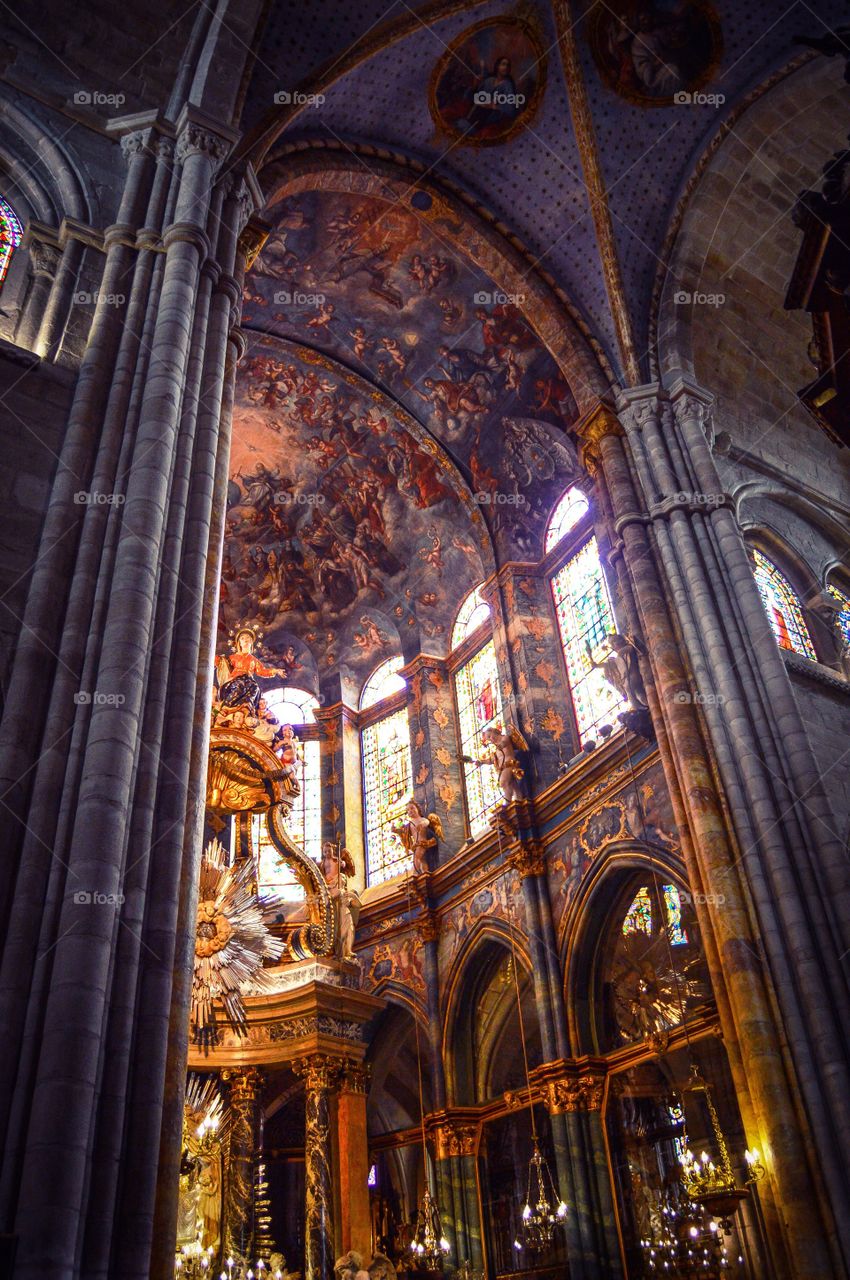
{"type": "Point", "coordinates": [456, 1138]}
{"type": "Point", "coordinates": [428, 926]}
{"type": "Point", "coordinates": [355, 1078]}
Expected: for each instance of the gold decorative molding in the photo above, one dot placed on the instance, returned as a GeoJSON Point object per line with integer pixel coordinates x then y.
{"type": "Point", "coordinates": [596, 190]}
{"type": "Point", "coordinates": [428, 926]}
{"type": "Point", "coordinates": [355, 1078]}
{"type": "Point", "coordinates": [576, 1093]}
{"type": "Point", "coordinates": [528, 859]}
{"type": "Point", "coordinates": [319, 1072]}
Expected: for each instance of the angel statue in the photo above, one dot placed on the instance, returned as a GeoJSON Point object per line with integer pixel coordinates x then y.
{"type": "Point", "coordinates": [337, 865]}
{"type": "Point", "coordinates": [350, 1267]}
{"type": "Point", "coordinates": [503, 758]}
{"type": "Point", "coordinates": [621, 670]}
{"type": "Point", "coordinates": [278, 1269]}
{"type": "Point", "coordinates": [419, 834]}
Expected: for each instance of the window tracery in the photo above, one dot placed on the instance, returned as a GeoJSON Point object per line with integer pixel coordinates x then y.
{"type": "Point", "coordinates": [387, 788]}
{"type": "Point", "coordinates": [479, 707]}
{"type": "Point", "coordinates": [585, 617]}
{"type": "Point", "coordinates": [782, 606]}
{"type": "Point", "coordinates": [11, 232]}
{"type": "Point", "coordinates": [473, 612]}
{"type": "Point", "coordinates": [571, 508]}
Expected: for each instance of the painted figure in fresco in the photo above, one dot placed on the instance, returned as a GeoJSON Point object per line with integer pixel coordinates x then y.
{"type": "Point", "coordinates": [503, 758]}
{"type": "Point", "coordinates": [337, 865]}
{"type": "Point", "coordinates": [419, 834]}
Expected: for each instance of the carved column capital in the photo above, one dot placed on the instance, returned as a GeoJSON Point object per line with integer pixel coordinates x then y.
{"type": "Point", "coordinates": [594, 427]}
{"type": "Point", "coordinates": [355, 1078]}
{"type": "Point", "coordinates": [574, 1093]}
{"type": "Point", "coordinates": [245, 1083]}
{"type": "Point", "coordinates": [44, 258]}
{"type": "Point", "coordinates": [428, 926]}
{"type": "Point", "coordinates": [455, 1138]}
{"type": "Point", "coordinates": [528, 858]}
{"type": "Point", "coordinates": [691, 403]}
{"type": "Point", "coordinates": [133, 143]}
{"type": "Point", "coordinates": [319, 1072]}
{"type": "Point", "coordinates": [196, 139]}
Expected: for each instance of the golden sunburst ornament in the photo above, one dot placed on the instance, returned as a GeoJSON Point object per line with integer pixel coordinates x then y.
{"type": "Point", "coordinates": [231, 942]}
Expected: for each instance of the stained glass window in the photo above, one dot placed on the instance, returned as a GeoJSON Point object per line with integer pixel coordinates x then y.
{"type": "Point", "coordinates": [566, 516]}
{"type": "Point", "coordinates": [479, 706]}
{"type": "Point", "coordinates": [304, 823]}
{"type": "Point", "coordinates": [10, 235]}
{"type": "Point", "coordinates": [387, 788]}
{"type": "Point", "coordinates": [782, 607]}
{"type": "Point", "coordinates": [372, 1180]}
{"type": "Point", "coordinates": [471, 614]}
{"type": "Point", "coordinates": [639, 915]}
{"type": "Point", "coordinates": [585, 617]}
{"type": "Point", "coordinates": [843, 618]}
{"type": "Point", "coordinates": [383, 682]}
{"type": "Point", "coordinates": [673, 907]}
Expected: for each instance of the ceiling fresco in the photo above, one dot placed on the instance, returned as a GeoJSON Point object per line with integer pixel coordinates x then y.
{"type": "Point", "coordinates": [380, 289]}
{"type": "Point", "coordinates": [346, 526]}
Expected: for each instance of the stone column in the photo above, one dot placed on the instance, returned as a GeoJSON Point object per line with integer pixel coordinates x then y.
{"type": "Point", "coordinates": [438, 780]}
{"type": "Point", "coordinates": [44, 260]}
{"type": "Point", "coordinates": [245, 1106]}
{"type": "Point", "coordinates": [55, 317]}
{"type": "Point", "coordinates": [456, 1141]}
{"type": "Point", "coordinates": [319, 1074]}
{"type": "Point", "coordinates": [576, 1101]}
{"type": "Point", "coordinates": [759, 1049]}
{"type": "Point", "coordinates": [355, 1227]}
{"type": "Point", "coordinates": [428, 929]}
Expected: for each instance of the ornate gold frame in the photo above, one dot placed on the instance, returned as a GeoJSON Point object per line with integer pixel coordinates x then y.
{"type": "Point", "coordinates": [530, 30]}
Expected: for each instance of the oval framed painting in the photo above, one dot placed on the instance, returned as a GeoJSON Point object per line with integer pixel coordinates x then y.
{"type": "Point", "coordinates": [656, 54]}
{"type": "Point", "coordinates": [488, 84]}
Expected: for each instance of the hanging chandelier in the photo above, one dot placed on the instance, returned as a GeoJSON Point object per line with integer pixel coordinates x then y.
{"type": "Point", "coordinates": [429, 1247]}
{"type": "Point", "coordinates": [714, 1185]}
{"type": "Point", "coordinates": [543, 1210]}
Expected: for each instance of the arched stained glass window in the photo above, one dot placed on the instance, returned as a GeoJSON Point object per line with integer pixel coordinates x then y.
{"type": "Point", "coordinates": [843, 618]}
{"type": "Point", "coordinates": [387, 788]}
{"type": "Point", "coordinates": [472, 613]}
{"type": "Point", "coordinates": [782, 607]}
{"type": "Point", "coordinates": [639, 917]}
{"type": "Point", "coordinates": [565, 517]}
{"type": "Point", "coordinates": [292, 706]}
{"type": "Point", "coordinates": [479, 707]}
{"type": "Point", "coordinates": [585, 617]}
{"type": "Point", "coordinates": [304, 822]}
{"type": "Point", "coordinates": [10, 235]}
{"type": "Point", "coordinates": [383, 682]}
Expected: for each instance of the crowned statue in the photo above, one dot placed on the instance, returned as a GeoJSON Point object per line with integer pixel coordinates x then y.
{"type": "Point", "coordinates": [238, 702]}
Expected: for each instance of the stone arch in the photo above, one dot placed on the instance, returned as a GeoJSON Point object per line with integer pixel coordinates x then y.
{"type": "Point", "coordinates": [749, 175]}
{"type": "Point", "coordinates": [588, 915]}
{"type": "Point", "coordinates": [470, 972]}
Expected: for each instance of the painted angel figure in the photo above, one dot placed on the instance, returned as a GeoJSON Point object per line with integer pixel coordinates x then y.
{"type": "Point", "coordinates": [419, 834]}
{"type": "Point", "coordinates": [337, 865]}
{"type": "Point", "coordinates": [503, 758]}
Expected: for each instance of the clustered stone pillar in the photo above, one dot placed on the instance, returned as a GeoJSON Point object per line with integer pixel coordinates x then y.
{"type": "Point", "coordinates": [670, 524]}
{"type": "Point", "coordinates": [44, 259]}
{"type": "Point", "coordinates": [242, 1141]}
{"type": "Point", "coordinates": [456, 1142]}
{"type": "Point", "coordinates": [102, 754]}
{"type": "Point", "coordinates": [319, 1074]}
